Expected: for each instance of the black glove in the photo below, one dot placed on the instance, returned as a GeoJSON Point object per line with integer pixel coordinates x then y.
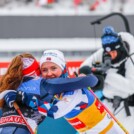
{"type": "Point", "coordinates": [116, 102]}
{"type": "Point", "coordinates": [29, 99]}
{"type": "Point", "coordinates": [21, 96]}
{"type": "Point", "coordinates": [85, 70]}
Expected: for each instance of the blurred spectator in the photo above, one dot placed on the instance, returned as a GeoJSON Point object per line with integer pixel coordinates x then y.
{"type": "Point", "coordinates": [75, 6]}
{"type": "Point", "coordinates": [118, 5]}
{"type": "Point", "coordinates": [77, 2]}
{"type": "Point", "coordinates": [2, 2]}
{"type": "Point", "coordinates": [94, 5]}
{"type": "Point", "coordinates": [45, 3]}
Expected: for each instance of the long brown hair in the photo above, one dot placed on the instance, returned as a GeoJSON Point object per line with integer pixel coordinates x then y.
{"type": "Point", "coordinates": [13, 77]}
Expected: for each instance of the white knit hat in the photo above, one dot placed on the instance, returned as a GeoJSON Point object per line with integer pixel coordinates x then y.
{"type": "Point", "coordinates": [54, 56]}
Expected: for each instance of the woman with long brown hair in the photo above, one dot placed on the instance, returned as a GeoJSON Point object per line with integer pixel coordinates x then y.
{"type": "Point", "coordinates": [20, 67]}
{"type": "Point", "coordinates": [14, 74]}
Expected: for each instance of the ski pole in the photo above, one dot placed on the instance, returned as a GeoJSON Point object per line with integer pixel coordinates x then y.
{"type": "Point", "coordinates": [20, 113]}
{"type": "Point", "coordinates": [121, 126]}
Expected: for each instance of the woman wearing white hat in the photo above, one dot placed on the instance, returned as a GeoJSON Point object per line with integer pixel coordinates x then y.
{"type": "Point", "coordinates": [53, 65]}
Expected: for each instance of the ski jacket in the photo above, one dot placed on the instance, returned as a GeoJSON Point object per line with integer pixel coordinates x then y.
{"type": "Point", "coordinates": [116, 84]}
{"type": "Point", "coordinates": [84, 112]}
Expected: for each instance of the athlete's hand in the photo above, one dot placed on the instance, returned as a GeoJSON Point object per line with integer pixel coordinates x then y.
{"type": "Point", "coordinates": [21, 96]}
{"type": "Point", "coordinates": [28, 99]}
{"type": "Point", "coordinates": [10, 98]}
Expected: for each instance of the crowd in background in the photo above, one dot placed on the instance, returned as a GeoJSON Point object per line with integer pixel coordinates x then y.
{"type": "Point", "coordinates": [90, 5]}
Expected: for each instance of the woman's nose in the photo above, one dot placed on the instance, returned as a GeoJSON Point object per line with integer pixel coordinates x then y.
{"type": "Point", "coordinates": [49, 72]}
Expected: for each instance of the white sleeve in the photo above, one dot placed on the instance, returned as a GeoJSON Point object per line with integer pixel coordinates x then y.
{"type": "Point", "coordinates": [129, 38]}
{"type": "Point", "coordinates": [95, 57]}
{"type": "Point", "coordinates": [130, 75]}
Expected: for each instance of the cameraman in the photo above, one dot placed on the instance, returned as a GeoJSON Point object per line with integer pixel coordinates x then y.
{"type": "Point", "coordinates": [113, 65]}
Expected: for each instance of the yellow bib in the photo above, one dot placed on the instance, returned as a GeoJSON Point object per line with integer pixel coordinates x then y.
{"type": "Point", "coordinates": [88, 118]}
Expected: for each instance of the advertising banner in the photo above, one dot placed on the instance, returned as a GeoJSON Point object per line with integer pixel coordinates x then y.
{"type": "Point", "coordinates": [73, 66]}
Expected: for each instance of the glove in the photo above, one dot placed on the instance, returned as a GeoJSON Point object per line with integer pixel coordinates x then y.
{"type": "Point", "coordinates": [28, 99]}
{"type": "Point", "coordinates": [21, 96]}
{"type": "Point", "coordinates": [10, 98]}
{"type": "Point", "coordinates": [31, 100]}
{"type": "Point", "coordinates": [85, 70]}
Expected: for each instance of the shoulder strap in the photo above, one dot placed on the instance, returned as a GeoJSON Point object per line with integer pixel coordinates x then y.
{"type": "Point", "coordinates": [121, 69]}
